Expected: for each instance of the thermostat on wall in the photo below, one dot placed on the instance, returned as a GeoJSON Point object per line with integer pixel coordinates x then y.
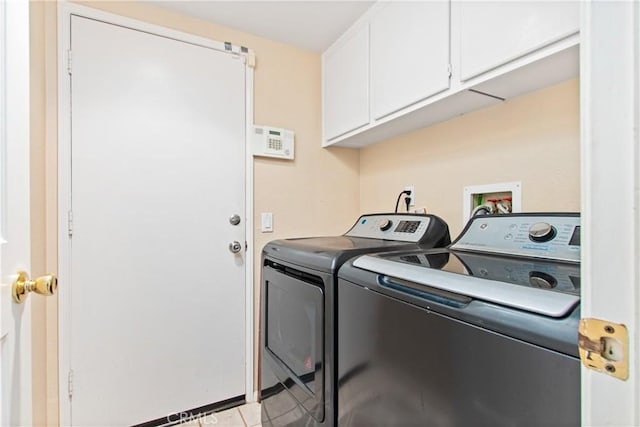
{"type": "Point", "coordinates": [273, 142]}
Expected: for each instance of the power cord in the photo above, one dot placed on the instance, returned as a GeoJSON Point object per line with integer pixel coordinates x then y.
{"type": "Point", "coordinates": [407, 201]}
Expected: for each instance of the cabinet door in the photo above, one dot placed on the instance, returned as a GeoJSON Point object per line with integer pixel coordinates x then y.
{"type": "Point", "coordinates": [409, 54]}
{"type": "Point", "coordinates": [494, 33]}
{"type": "Point", "coordinates": [346, 84]}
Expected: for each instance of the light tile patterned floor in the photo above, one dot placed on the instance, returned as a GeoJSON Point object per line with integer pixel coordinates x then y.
{"type": "Point", "coordinates": [242, 416]}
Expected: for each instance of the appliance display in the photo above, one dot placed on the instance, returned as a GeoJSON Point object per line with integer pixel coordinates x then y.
{"type": "Point", "coordinates": [298, 311]}
{"type": "Point", "coordinates": [484, 332]}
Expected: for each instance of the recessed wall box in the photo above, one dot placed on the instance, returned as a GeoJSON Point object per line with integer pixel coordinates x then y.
{"type": "Point", "coordinates": [273, 142]}
{"type": "Point", "coordinates": [476, 195]}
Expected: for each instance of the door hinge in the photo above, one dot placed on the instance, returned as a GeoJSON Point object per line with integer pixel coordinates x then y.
{"type": "Point", "coordinates": [70, 223]}
{"type": "Point", "coordinates": [449, 70]}
{"type": "Point", "coordinates": [70, 384]}
{"type": "Point", "coordinates": [604, 347]}
{"type": "Point", "coordinates": [69, 61]}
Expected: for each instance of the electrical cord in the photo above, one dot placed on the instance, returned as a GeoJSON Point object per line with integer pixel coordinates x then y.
{"type": "Point", "coordinates": [406, 192]}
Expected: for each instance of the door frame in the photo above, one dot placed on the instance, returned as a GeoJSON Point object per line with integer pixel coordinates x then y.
{"type": "Point", "coordinates": [610, 163]}
{"type": "Point", "coordinates": [65, 11]}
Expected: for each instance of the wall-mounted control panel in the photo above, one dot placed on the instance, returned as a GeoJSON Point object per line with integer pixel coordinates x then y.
{"type": "Point", "coordinates": [273, 142]}
{"type": "Point", "coordinates": [404, 228]}
{"type": "Point", "coordinates": [551, 236]}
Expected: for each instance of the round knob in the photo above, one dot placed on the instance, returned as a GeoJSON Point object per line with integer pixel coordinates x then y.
{"type": "Point", "coordinates": [45, 285]}
{"type": "Point", "coordinates": [542, 232]}
{"type": "Point", "coordinates": [385, 224]}
{"type": "Point", "coordinates": [541, 280]}
{"type": "Point", "coordinates": [235, 247]}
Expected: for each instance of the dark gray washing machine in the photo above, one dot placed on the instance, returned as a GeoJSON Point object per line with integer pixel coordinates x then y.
{"type": "Point", "coordinates": [298, 311]}
{"type": "Point", "coordinates": [483, 333]}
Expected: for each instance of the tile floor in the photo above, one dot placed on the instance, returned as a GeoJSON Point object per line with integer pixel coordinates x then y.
{"type": "Point", "coordinates": [242, 416]}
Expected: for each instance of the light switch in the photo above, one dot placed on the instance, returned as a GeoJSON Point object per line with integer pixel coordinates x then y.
{"type": "Point", "coordinates": [267, 222]}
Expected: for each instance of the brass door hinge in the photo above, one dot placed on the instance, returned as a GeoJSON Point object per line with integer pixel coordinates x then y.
{"type": "Point", "coordinates": [604, 347]}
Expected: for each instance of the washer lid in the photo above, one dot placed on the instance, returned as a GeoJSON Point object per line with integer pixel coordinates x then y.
{"type": "Point", "coordinates": [547, 288]}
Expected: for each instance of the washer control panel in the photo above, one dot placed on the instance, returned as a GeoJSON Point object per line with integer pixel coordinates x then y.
{"type": "Point", "coordinates": [551, 236]}
{"type": "Point", "coordinates": [404, 228]}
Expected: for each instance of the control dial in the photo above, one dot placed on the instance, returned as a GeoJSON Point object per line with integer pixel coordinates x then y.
{"type": "Point", "coordinates": [542, 232]}
{"type": "Point", "coordinates": [384, 224]}
{"type": "Point", "coordinates": [539, 279]}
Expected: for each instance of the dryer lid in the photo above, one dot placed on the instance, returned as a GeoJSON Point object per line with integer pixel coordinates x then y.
{"type": "Point", "coordinates": [328, 253]}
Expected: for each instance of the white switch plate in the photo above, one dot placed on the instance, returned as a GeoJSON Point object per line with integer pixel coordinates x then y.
{"type": "Point", "coordinates": [267, 222]}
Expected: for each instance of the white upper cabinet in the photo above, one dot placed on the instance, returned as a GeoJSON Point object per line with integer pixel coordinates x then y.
{"type": "Point", "coordinates": [346, 83]}
{"type": "Point", "coordinates": [495, 33]}
{"type": "Point", "coordinates": [409, 54]}
{"type": "Point", "coordinates": [405, 65]}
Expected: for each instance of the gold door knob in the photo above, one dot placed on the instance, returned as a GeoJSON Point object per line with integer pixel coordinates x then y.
{"type": "Point", "coordinates": [45, 285]}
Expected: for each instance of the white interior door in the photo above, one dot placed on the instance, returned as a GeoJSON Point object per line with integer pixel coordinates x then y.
{"type": "Point", "coordinates": [157, 299]}
{"type": "Point", "coordinates": [15, 319]}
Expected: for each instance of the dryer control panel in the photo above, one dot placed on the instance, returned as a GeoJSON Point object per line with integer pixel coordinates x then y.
{"type": "Point", "coordinates": [548, 235]}
{"type": "Point", "coordinates": [399, 227]}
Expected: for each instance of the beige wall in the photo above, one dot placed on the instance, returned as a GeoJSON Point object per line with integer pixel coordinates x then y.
{"type": "Point", "coordinates": [533, 139]}
{"type": "Point", "coordinates": [315, 194]}
{"type": "Point", "coordinates": [38, 203]}
{"type": "Point", "coordinates": [43, 207]}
